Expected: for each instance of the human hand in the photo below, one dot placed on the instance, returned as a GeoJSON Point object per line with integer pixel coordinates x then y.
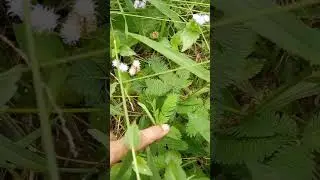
{"type": "Point", "coordinates": [118, 148]}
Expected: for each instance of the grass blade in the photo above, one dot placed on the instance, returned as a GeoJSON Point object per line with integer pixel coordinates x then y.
{"type": "Point", "coordinates": [282, 28]}
{"type": "Point", "coordinates": [144, 107]}
{"type": "Point", "coordinates": [46, 138]}
{"type": "Point", "coordinates": [176, 57]}
{"type": "Point", "coordinates": [164, 8]}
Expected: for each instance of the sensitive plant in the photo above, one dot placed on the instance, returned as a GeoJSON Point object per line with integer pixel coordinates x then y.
{"type": "Point", "coordinates": [265, 107]}
{"type": "Point", "coordinates": [160, 59]}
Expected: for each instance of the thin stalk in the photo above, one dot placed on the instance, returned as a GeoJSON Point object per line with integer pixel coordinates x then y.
{"type": "Point", "coordinates": [147, 17]}
{"type": "Point", "coordinates": [47, 140]}
{"type": "Point", "coordinates": [125, 108]}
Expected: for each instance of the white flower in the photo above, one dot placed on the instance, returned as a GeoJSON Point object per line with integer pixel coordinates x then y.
{"type": "Point", "coordinates": [115, 63]}
{"type": "Point", "coordinates": [71, 30]}
{"type": "Point", "coordinates": [84, 8]}
{"type": "Point", "coordinates": [206, 18]}
{"type": "Point", "coordinates": [16, 7]}
{"type": "Point", "coordinates": [139, 4]}
{"type": "Point", "coordinates": [136, 63]}
{"type": "Point", "coordinates": [132, 71]}
{"type": "Point", "coordinates": [123, 67]}
{"type": "Point", "coordinates": [201, 19]}
{"type": "Point", "coordinates": [43, 19]}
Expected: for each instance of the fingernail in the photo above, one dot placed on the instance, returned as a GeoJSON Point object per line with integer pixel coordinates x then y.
{"type": "Point", "coordinates": [165, 127]}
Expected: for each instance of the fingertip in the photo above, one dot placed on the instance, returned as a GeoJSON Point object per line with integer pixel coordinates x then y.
{"type": "Point", "coordinates": [165, 127]}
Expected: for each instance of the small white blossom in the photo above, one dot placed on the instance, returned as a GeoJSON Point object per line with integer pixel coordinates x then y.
{"type": "Point", "coordinates": [139, 4]}
{"type": "Point", "coordinates": [15, 7]}
{"type": "Point", "coordinates": [71, 30]}
{"type": "Point", "coordinates": [136, 63]}
{"type": "Point", "coordinates": [206, 18]}
{"type": "Point", "coordinates": [123, 67]}
{"type": "Point", "coordinates": [43, 19]}
{"type": "Point", "coordinates": [115, 63]}
{"type": "Point", "coordinates": [201, 19]}
{"type": "Point", "coordinates": [85, 8]}
{"type": "Point", "coordinates": [132, 71]}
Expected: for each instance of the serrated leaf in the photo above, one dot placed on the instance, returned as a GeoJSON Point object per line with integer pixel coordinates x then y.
{"type": "Point", "coordinates": [198, 123]}
{"type": "Point", "coordinates": [83, 80]}
{"type": "Point", "coordinates": [168, 108]}
{"type": "Point", "coordinates": [174, 133]}
{"type": "Point", "coordinates": [238, 151]}
{"type": "Point", "coordinates": [156, 87]}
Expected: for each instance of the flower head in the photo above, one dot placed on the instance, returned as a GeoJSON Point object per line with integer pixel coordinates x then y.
{"type": "Point", "coordinates": [16, 7]}
{"type": "Point", "coordinates": [43, 19]}
{"type": "Point", "coordinates": [123, 67]}
{"type": "Point", "coordinates": [132, 71]}
{"type": "Point", "coordinates": [139, 4]}
{"type": "Point", "coordinates": [201, 19]}
{"type": "Point", "coordinates": [71, 30]}
{"type": "Point", "coordinates": [136, 63]}
{"type": "Point", "coordinates": [115, 63]}
{"type": "Point", "coordinates": [85, 8]}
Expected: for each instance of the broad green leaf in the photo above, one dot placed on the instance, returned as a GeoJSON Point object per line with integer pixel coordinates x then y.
{"type": "Point", "coordinates": [173, 156]}
{"type": "Point", "coordinates": [8, 82]}
{"type": "Point", "coordinates": [115, 169]}
{"type": "Point", "coordinates": [189, 35]}
{"type": "Point", "coordinates": [283, 28]}
{"type": "Point", "coordinates": [99, 136]}
{"type": "Point", "coordinates": [176, 57]}
{"type": "Point", "coordinates": [164, 8]}
{"type": "Point", "coordinates": [174, 172]}
{"type": "Point", "coordinates": [132, 136]}
{"type": "Point", "coordinates": [126, 51]}
{"type": "Point", "coordinates": [19, 156]}
{"type": "Point", "coordinates": [143, 167]}
{"type": "Point", "coordinates": [125, 170]}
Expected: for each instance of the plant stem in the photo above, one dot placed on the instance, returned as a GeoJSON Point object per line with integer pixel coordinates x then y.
{"type": "Point", "coordinates": [47, 140]}
{"type": "Point", "coordinates": [125, 108]}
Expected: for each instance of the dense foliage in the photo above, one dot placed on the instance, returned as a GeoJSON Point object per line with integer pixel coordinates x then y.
{"type": "Point", "coordinates": [171, 86]}
{"type": "Point", "coordinates": [266, 113]}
